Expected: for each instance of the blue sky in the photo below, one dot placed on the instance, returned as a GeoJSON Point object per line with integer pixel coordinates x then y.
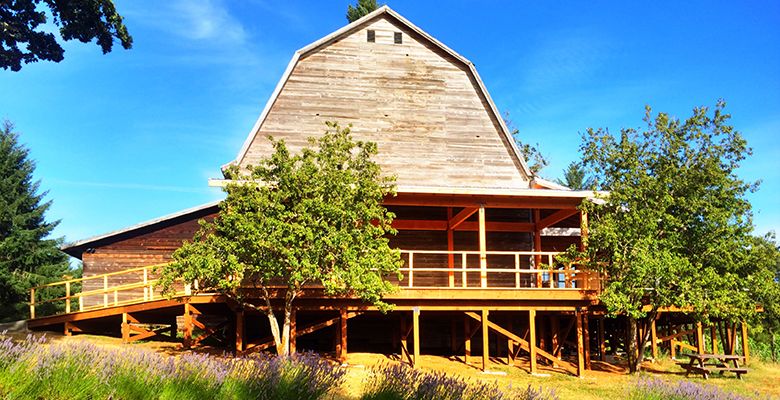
{"type": "Point", "coordinates": [133, 135]}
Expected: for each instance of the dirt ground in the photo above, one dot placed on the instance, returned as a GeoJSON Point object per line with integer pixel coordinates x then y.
{"type": "Point", "coordinates": [605, 380]}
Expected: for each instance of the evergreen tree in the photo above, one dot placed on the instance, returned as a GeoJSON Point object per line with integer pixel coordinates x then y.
{"type": "Point", "coordinates": [28, 256]}
{"type": "Point", "coordinates": [575, 178]}
{"type": "Point", "coordinates": [362, 8]}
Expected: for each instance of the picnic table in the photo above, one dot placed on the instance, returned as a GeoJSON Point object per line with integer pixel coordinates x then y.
{"type": "Point", "coordinates": [705, 364]}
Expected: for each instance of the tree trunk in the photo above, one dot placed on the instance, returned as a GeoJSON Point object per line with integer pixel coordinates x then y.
{"type": "Point", "coordinates": [772, 344]}
{"type": "Point", "coordinates": [638, 344]}
{"type": "Point", "coordinates": [631, 352]}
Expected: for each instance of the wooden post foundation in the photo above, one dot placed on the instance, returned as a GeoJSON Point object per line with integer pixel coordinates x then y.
{"type": "Point", "coordinates": [532, 338]}
{"type": "Point", "coordinates": [485, 342]}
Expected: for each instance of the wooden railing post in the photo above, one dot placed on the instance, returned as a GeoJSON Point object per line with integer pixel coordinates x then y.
{"type": "Point", "coordinates": [67, 297]}
{"type": "Point", "coordinates": [105, 291]}
{"type": "Point", "coordinates": [81, 302]}
{"type": "Point", "coordinates": [517, 271]}
{"type": "Point", "coordinates": [464, 273]}
{"type": "Point", "coordinates": [32, 303]}
{"type": "Point", "coordinates": [146, 282]}
{"type": "Point", "coordinates": [482, 248]}
{"type": "Point", "coordinates": [411, 266]}
{"type": "Point", "coordinates": [550, 265]}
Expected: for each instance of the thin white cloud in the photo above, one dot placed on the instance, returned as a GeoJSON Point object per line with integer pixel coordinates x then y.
{"type": "Point", "coordinates": [206, 20]}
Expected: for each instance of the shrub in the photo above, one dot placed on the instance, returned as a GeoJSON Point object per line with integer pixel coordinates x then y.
{"type": "Point", "coordinates": [76, 370]}
{"type": "Point", "coordinates": [399, 382]}
{"type": "Point", "coordinates": [658, 389]}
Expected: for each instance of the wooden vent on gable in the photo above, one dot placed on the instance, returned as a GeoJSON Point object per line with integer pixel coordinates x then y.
{"type": "Point", "coordinates": [371, 36]}
{"type": "Point", "coordinates": [398, 38]}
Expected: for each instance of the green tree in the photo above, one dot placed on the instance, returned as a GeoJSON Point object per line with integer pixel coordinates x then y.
{"type": "Point", "coordinates": [575, 178]}
{"type": "Point", "coordinates": [28, 256]}
{"type": "Point", "coordinates": [313, 218]}
{"type": "Point", "coordinates": [361, 8]}
{"type": "Point", "coordinates": [675, 229]}
{"type": "Point", "coordinates": [23, 39]}
{"type": "Point", "coordinates": [530, 152]}
{"type": "Point", "coordinates": [764, 258]}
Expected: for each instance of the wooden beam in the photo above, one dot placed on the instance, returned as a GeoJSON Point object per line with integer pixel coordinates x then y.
{"type": "Point", "coordinates": [555, 328]}
{"type": "Point", "coordinates": [239, 331]}
{"type": "Point", "coordinates": [187, 325]}
{"type": "Point", "coordinates": [467, 226]}
{"type": "Point", "coordinates": [416, 335]}
{"type": "Point", "coordinates": [537, 247]}
{"type": "Point", "coordinates": [714, 338]}
{"type": "Point", "coordinates": [404, 336]}
{"type": "Point", "coordinates": [554, 218]}
{"type": "Point", "coordinates": [492, 201]}
{"type": "Point", "coordinates": [450, 255]}
{"type": "Point", "coordinates": [583, 230]}
{"type": "Point", "coordinates": [532, 339]}
{"type": "Point", "coordinates": [580, 346]}
{"type": "Point", "coordinates": [466, 339]}
{"type": "Point", "coordinates": [654, 340]}
{"type": "Point", "coordinates": [482, 248]}
{"type": "Point", "coordinates": [461, 217]}
{"type": "Point", "coordinates": [341, 347]}
{"type": "Point", "coordinates": [699, 339]}
{"type": "Point", "coordinates": [745, 344]}
{"type": "Point", "coordinates": [485, 343]}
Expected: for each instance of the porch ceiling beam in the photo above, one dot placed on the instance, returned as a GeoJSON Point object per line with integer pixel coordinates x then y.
{"type": "Point", "coordinates": [461, 217]}
{"type": "Point", "coordinates": [473, 226]}
{"type": "Point", "coordinates": [554, 218]}
{"type": "Point", "coordinates": [433, 200]}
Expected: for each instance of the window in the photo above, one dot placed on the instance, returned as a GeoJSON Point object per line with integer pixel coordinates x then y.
{"type": "Point", "coordinates": [398, 38]}
{"type": "Point", "coordinates": [371, 36]}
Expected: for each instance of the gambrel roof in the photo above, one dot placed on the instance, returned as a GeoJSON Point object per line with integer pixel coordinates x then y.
{"type": "Point", "coordinates": [422, 103]}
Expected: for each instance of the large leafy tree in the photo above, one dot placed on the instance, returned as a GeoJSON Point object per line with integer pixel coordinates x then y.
{"type": "Point", "coordinates": [675, 229]}
{"type": "Point", "coordinates": [361, 8]}
{"type": "Point", "coordinates": [310, 218]}
{"type": "Point", "coordinates": [28, 256]}
{"type": "Point", "coordinates": [23, 39]}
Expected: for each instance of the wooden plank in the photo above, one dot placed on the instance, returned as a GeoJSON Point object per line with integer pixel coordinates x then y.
{"type": "Point", "coordinates": [341, 350]}
{"type": "Point", "coordinates": [461, 217]}
{"type": "Point", "coordinates": [240, 331]}
{"type": "Point", "coordinates": [745, 344]}
{"type": "Point", "coordinates": [654, 339]}
{"type": "Point", "coordinates": [553, 219]}
{"type": "Point", "coordinates": [714, 338]}
{"type": "Point", "coordinates": [580, 346]}
{"type": "Point", "coordinates": [532, 339]}
{"type": "Point", "coordinates": [537, 247]}
{"type": "Point", "coordinates": [188, 322]}
{"type": "Point", "coordinates": [450, 249]}
{"type": "Point", "coordinates": [485, 342]}
{"type": "Point", "coordinates": [467, 226]}
{"type": "Point", "coordinates": [416, 335]}
{"type": "Point", "coordinates": [699, 338]}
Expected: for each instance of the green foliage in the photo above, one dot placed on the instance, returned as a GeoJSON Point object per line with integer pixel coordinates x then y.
{"type": "Point", "coordinates": [530, 152]}
{"type": "Point", "coordinates": [675, 228]}
{"type": "Point", "coordinates": [22, 21]}
{"type": "Point", "coordinates": [315, 217]}
{"type": "Point", "coordinates": [361, 8]}
{"type": "Point", "coordinates": [28, 257]}
{"type": "Point", "coordinates": [575, 178]}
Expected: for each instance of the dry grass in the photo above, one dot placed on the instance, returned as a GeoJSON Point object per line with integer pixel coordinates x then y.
{"type": "Point", "coordinates": [605, 381]}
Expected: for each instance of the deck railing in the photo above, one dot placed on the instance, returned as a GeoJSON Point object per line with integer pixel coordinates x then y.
{"type": "Point", "coordinates": [493, 269]}
{"type": "Point", "coordinates": [423, 269]}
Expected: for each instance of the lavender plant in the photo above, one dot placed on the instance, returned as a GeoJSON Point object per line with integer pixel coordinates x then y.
{"type": "Point", "coordinates": [76, 370]}
{"type": "Point", "coordinates": [399, 382]}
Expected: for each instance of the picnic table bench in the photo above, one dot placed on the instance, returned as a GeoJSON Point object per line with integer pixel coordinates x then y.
{"type": "Point", "coordinates": [705, 364]}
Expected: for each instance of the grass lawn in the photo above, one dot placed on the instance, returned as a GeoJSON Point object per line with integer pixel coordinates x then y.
{"type": "Point", "coordinates": [605, 381]}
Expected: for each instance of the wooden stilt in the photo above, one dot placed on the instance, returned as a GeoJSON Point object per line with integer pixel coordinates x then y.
{"type": "Point", "coordinates": [187, 325]}
{"type": "Point", "coordinates": [699, 338]}
{"type": "Point", "coordinates": [293, 332]}
{"type": "Point", "coordinates": [532, 338]}
{"type": "Point", "coordinates": [654, 339]}
{"type": "Point", "coordinates": [485, 342]}
{"type": "Point", "coordinates": [586, 338]}
{"type": "Point", "coordinates": [239, 331]}
{"type": "Point", "coordinates": [125, 329]}
{"type": "Point", "coordinates": [732, 338]}
{"type": "Point", "coordinates": [541, 332]}
{"type": "Point", "coordinates": [416, 334]}
{"type": "Point", "coordinates": [745, 344]}
{"type": "Point", "coordinates": [555, 328]}
{"type": "Point", "coordinates": [466, 339]}
{"type": "Point", "coordinates": [580, 345]}
{"type": "Point", "coordinates": [602, 341]}
{"type": "Point", "coordinates": [341, 349]}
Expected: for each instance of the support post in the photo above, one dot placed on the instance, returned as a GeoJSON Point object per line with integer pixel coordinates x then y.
{"type": "Point", "coordinates": [532, 338]}
{"type": "Point", "coordinates": [239, 331]}
{"type": "Point", "coordinates": [416, 333]}
{"type": "Point", "coordinates": [510, 346]}
{"type": "Point", "coordinates": [32, 303]}
{"type": "Point", "coordinates": [482, 248]}
{"type": "Point", "coordinates": [450, 249]}
{"type": "Point", "coordinates": [293, 332]}
{"type": "Point", "coordinates": [125, 329]}
{"type": "Point", "coordinates": [466, 339]}
{"type": "Point", "coordinates": [745, 345]}
{"type": "Point", "coordinates": [654, 339]}
{"type": "Point", "coordinates": [341, 348]}
{"type": "Point", "coordinates": [485, 343]}
{"type": "Point", "coordinates": [586, 338]}
{"type": "Point", "coordinates": [537, 246]}
{"type": "Point", "coordinates": [555, 328]}
{"type": "Point", "coordinates": [580, 345]}
{"type": "Point", "coordinates": [699, 338]}
{"type": "Point", "coordinates": [602, 341]}
{"type": "Point", "coordinates": [672, 345]}
{"type": "Point", "coordinates": [67, 297]}
{"type": "Point", "coordinates": [403, 337]}
{"type": "Point", "coordinates": [187, 326]}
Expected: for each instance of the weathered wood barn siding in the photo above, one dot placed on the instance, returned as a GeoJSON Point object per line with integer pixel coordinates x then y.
{"type": "Point", "coordinates": [422, 106]}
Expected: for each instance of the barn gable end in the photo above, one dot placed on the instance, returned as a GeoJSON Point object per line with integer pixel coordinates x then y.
{"type": "Point", "coordinates": [423, 104]}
